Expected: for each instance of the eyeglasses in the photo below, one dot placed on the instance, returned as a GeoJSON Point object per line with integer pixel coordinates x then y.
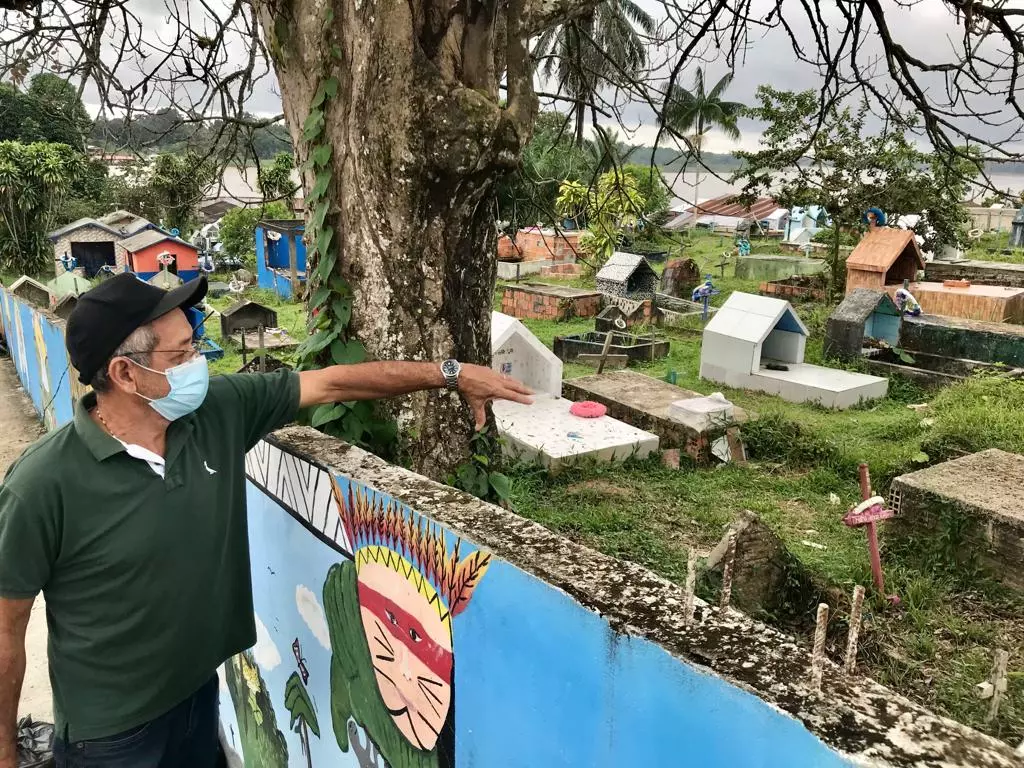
{"type": "Point", "coordinates": [195, 347]}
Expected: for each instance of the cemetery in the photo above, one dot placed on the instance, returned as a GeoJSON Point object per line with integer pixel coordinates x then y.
{"type": "Point", "coordinates": [765, 507]}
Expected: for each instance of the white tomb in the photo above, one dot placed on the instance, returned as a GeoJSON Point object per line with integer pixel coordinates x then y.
{"type": "Point", "coordinates": [546, 431]}
{"type": "Point", "coordinates": [757, 342]}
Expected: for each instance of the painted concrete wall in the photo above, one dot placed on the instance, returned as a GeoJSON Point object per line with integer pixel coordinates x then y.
{"type": "Point", "coordinates": [35, 339]}
{"type": "Point", "coordinates": [273, 270]}
{"type": "Point", "coordinates": [526, 676]}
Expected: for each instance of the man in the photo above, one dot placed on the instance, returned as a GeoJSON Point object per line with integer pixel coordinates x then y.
{"type": "Point", "coordinates": [131, 520]}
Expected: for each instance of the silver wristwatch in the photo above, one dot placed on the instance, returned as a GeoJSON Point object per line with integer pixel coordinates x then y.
{"type": "Point", "coordinates": [451, 369]}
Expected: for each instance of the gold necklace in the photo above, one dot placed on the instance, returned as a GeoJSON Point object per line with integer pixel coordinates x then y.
{"type": "Point", "coordinates": [103, 422]}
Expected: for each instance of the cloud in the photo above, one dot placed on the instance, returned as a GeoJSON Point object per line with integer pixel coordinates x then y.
{"type": "Point", "coordinates": [313, 615]}
{"type": "Point", "coordinates": [265, 652]}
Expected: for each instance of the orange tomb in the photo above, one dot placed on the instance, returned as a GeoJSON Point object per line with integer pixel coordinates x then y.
{"type": "Point", "coordinates": [994, 303]}
{"type": "Point", "coordinates": [884, 257]}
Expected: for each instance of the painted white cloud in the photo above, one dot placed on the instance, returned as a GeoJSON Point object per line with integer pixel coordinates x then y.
{"type": "Point", "coordinates": [265, 652]}
{"type": "Point", "coordinates": [313, 614]}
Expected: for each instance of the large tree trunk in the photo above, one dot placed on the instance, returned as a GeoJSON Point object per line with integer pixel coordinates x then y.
{"type": "Point", "coordinates": [420, 140]}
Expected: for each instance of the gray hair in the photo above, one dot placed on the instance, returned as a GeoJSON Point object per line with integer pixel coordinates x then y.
{"type": "Point", "coordinates": [139, 345]}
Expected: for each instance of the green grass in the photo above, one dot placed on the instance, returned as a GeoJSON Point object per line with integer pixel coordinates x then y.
{"type": "Point", "coordinates": [991, 247]}
{"type": "Point", "coordinates": [290, 315]}
{"type": "Point", "coordinates": [939, 644]}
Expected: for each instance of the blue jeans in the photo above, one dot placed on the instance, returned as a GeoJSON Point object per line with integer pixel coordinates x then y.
{"type": "Point", "coordinates": [185, 737]}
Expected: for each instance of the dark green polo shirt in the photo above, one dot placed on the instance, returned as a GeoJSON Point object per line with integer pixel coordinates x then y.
{"type": "Point", "coordinates": [146, 580]}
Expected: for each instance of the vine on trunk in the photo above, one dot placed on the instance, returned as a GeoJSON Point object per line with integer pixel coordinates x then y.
{"type": "Point", "coordinates": [329, 296]}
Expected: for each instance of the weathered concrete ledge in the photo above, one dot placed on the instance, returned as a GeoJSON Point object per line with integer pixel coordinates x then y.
{"type": "Point", "coordinates": [857, 717]}
{"type": "Point", "coordinates": [980, 272]}
{"type": "Point", "coordinates": [967, 339]}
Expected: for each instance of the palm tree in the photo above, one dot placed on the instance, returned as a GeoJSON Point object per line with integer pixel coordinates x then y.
{"type": "Point", "coordinates": [694, 113]}
{"type": "Point", "coordinates": [602, 47]}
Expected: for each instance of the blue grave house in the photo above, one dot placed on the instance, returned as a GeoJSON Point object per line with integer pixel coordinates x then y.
{"type": "Point", "coordinates": [281, 257]}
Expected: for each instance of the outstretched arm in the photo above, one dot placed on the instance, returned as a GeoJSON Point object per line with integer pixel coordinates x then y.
{"type": "Point", "coordinates": [376, 381]}
{"type": "Point", "coordinates": [13, 623]}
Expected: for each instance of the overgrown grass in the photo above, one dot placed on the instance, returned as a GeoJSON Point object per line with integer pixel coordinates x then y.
{"type": "Point", "coordinates": [290, 315]}
{"type": "Point", "coordinates": [995, 246]}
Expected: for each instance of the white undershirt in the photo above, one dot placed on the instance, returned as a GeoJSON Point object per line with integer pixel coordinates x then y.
{"type": "Point", "coordinates": [155, 461]}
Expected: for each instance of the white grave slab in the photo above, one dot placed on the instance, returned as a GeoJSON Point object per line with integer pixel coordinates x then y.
{"type": "Point", "coordinates": [518, 353]}
{"type": "Point", "coordinates": [548, 433]}
{"type": "Point", "coordinates": [751, 332]}
{"type": "Point", "coordinates": [702, 413]}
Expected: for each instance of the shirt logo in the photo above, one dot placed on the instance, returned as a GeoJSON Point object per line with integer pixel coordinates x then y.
{"type": "Point", "coordinates": [211, 471]}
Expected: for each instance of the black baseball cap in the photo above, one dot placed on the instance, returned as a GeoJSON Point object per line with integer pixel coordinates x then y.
{"type": "Point", "coordinates": [109, 313]}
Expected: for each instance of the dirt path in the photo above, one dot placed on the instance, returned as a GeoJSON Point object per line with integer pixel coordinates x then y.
{"type": "Point", "coordinates": [19, 427]}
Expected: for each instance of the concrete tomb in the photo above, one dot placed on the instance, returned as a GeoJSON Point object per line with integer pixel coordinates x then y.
{"type": "Point", "coordinates": [549, 302]}
{"type": "Point", "coordinates": [758, 342]}
{"type": "Point", "coordinates": [651, 404]}
{"type": "Point", "coordinates": [680, 277]}
{"type": "Point", "coordinates": [627, 275]}
{"type": "Point", "coordinates": [865, 314]}
{"type": "Point", "coordinates": [978, 499]}
{"type": "Point", "coordinates": [636, 348]}
{"type": "Point", "coordinates": [32, 291]}
{"type": "Point", "coordinates": [246, 316]}
{"type": "Point", "coordinates": [771, 267]}
{"type": "Point", "coordinates": [977, 272]}
{"type": "Point", "coordinates": [545, 431]}
{"type": "Point", "coordinates": [993, 303]}
{"type": "Point", "coordinates": [884, 257]}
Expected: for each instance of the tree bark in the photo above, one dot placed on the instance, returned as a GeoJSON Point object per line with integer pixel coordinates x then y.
{"type": "Point", "coordinates": [420, 140]}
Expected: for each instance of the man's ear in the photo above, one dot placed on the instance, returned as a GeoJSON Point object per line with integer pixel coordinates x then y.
{"type": "Point", "coordinates": [122, 374]}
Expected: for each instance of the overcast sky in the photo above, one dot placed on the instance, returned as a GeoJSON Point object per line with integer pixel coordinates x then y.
{"type": "Point", "coordinates": [927, 29]}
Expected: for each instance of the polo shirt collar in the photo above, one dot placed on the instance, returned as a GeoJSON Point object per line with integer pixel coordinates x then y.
{"type": "Point", "coordinates": [102, 445]}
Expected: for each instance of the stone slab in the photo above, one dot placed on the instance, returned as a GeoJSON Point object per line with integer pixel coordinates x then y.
{"type": "Point", "coordinates": [547, 432]}
{"type": "Point", "coordinates": [772, 267]}
{"type": "Point", "coordinates": [645, 403]}
{"type": "Point", "coordinates": [979, 340]}
{"type": "Point", "coordinates": [803, 383]}
{"type": "Point", "coordinates": [985, 490]}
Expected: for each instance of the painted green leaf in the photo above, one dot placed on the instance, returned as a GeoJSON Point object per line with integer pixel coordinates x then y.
{"type": "Point", "coordinates": [323, 240]}
{"type": "Point", "coordinates": [299, 705]}
{"type": "Point", "coordinates": [331, 87]}
{"type": "Point", "coordinates": [342, 309]}
{"type": "Point", "coordinates": [322, 154]}
{"type": "Point", "coordinates": [326, 413]}
{"type": "Point", "coordinates": [501, 484]}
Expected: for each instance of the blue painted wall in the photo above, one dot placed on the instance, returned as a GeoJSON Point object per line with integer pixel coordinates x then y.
{"type": "Point", "coordinates": [273, 271]}
{"type": "Point", "coordinates": [539, 680]}
{"type": "Point", "coordinates": [36, 343]}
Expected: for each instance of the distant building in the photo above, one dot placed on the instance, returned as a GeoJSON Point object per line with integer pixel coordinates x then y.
{"type": "Point", "coordinates": [280, 250]}
{"type": "Point", "coordinates": [726, 213]}
{"type": "Point", "coordinates": [139, 254]}
{"type": "Point", "coordinates": [804, 223]}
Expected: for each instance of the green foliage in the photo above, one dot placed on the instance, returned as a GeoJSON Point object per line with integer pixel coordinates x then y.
{"type": "Point", "coordinates": [478, 475]}
{"type": "Point", "coordinates": [593, 51]}
{"type": "Point", "coordinates": [35, 179]}
{"type": "Point", "coordinates": [614, 205]}
{"type": "Point", "coordinates": [237, 227]}
{"type": "Point", "coordinates": [847, 171]}
{"type": "Point", "coordinates": [49, 111]}
{"type": "Point", "coordinates": [263, 744]}
{"type": "Point", "coordinates": [329, 297]}
{"type": "Point", "coordinates": [275, 180]}
{"type": "Point", "coordinates": [827, 235]}
{"type": "Point", "coordinates": [300, 706]}
{"type": "Point", "coordinates": [982, 412]}
{"type": "Point", "coordinates": [694, 112]}
{"type": "Point", "coordinates": [178, 183]}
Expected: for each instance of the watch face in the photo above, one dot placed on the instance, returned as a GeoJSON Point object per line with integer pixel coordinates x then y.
{"type": "Point", "coordinates": [450, 368]}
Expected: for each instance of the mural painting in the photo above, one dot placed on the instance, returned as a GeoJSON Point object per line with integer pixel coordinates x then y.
{"type": "Point", "coordinates": [369, 676]}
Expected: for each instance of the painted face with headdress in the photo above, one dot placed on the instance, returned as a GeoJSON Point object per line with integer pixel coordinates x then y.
{"type": "Point", "coordinates": [410, 587]}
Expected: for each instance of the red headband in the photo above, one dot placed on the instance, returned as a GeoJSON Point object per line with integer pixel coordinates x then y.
{"type": "Point", "coordinates": [409, 631]}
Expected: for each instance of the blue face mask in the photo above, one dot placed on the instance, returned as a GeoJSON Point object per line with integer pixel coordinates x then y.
{"type": "Point", "coordinates": [189, 382]}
